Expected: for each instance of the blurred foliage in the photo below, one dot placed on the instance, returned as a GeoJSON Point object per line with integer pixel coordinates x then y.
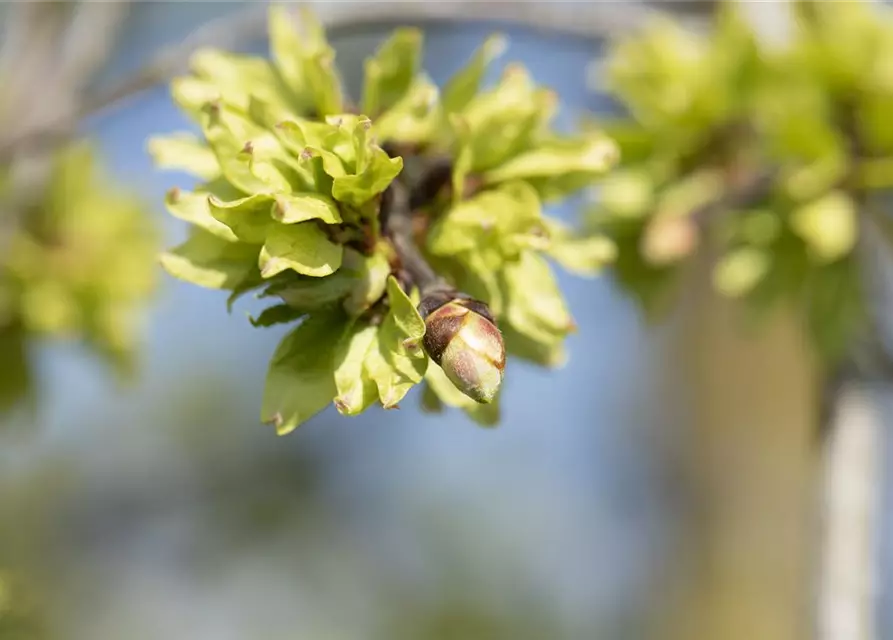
{"type": "Point", "coordinates": [100, 541]}
{"type": "Point", "coordinates": [77, 262]}
{"type": "Point", "coordinates": [765, 156]}
{"type": "Point", "coordinates": [291, 200]}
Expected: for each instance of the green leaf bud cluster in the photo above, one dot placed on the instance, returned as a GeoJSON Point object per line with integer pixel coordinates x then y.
{"type": "Point", "coordinates": [760, 157]}
{"type": "Point", "coordinates": [352, 218]}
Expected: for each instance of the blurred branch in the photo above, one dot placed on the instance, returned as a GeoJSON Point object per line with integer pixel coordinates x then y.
{"type": "Point", "coordinates": [87, 58]}
{"type": "Point", "coordinates": [88, 44]}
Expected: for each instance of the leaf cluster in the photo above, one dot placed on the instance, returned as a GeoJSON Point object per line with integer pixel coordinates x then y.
{"type": "Point", "coordinates": [77, 266]}
{"type": "Point", "coordinates": [292, 201]}
{"type": "Point", "coordinates": [768, 155]}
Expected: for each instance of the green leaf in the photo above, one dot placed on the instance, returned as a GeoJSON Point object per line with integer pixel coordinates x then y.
{"type": "Point", "coordinates": [305, 59]}
{"type": "Point", "coordinates": [534, 304]}
{"type": "Point", "coordinates": [479, 277]}
{"type": "Point", "coordinates": [391, 71]}
{"type": "Point", "coordinates": [192, 95]}
{"type": "Point", "coordinates": [356, 390]}
{"type": "Point", "coordinates": [356, 190]}
{"type": "Point", "coordinates": [238, 78]}
{"type": "Point", "coordinates": [209, 261]}
{"type": "Point", "coordinates": [508, 219]}
{"type": "Point", "coordinates": [486, 415]}
{"type": "Point", "coordinates": [502, 121]}
{"type": "Point", "coordinates": [300, 381]}
{"type": "Point", "coordinates": [357, 285]}
{"type": "Point", "coordinates": [250, 158]}
{"type": "Point", "coordinates": [582, 255]}
{"type": "Point", "coordinates": [416, 119]}
{"type": "Point", "coordinates": [300, 207]}
{"type": "Point", "coordinates": [552, 355]}
{"type": "Point", "coordinates": [249, 217]}
{"type": "Point", "coordinates": [397, 361]}
{"type": "Point", "coordinates": [463, 86]}
{"type": "Point", "coordinates": [827, 225]}
{"type": "Point", "coordinates": [194, 208]}
{"type": "Point", "coordinates": [303, 247]}
{"type": "Point", "coordinates": [280, 314]}
{"type": "Point", "coordinates": [557, 158]}
{"type": "Point", "coordinates": [184, 152]}
{"type": "Point", "coordinates": [369, 275]}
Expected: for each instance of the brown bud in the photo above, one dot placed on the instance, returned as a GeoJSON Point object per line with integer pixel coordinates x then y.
{"type": "Point", "coordinates": [462, 337]}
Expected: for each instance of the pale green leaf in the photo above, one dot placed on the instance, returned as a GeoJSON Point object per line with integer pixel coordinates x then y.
{"type": "Point", "coordinates": [556, 158]}
{"type": "Point", "coordinates": [301, 207]}
{"type": "Point", "coordinates": [184, 152]}
{"type": "Point", "coordinates": [359, 283]}
{"type": "Point", "coordinates": [462, 87]}
{"type": "Point", "coordinates": [416, 118]}
{"type": "Point", "coordinates": [534, 304]}
{"type": "Point", "coordinates": [209, 261]}
{"type": "Point", "coordinates": [356, 190]}
{"type": "Point", "coordinates": [193, 207]}
{"type": "Point", "coordinates": [304, 58]}
{"type": "Point", "coordinates": [300, 381]}
{"type": "Point", "coordinates": [397, 361]}
{"type": "Point", "coordinates": [580, 254]}
{"type": "Point", "coordinates": [302, 247]}
{"type": "Point", "coordinates": [391, 70]}
{"type": "Point", "coordinates": [238, 78]}
{"type": "Point", "coordinates": [508, 218]}
{"type": "Point", "coordinates": [192, 95]}
{"type": "Point", "coordinates": [356, 390]}
{"type": "Point", "coordinates": [249, 218]}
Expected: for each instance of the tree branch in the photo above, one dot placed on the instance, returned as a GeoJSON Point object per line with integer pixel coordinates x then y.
{"type": "Point", "coordinates": [397, 217]}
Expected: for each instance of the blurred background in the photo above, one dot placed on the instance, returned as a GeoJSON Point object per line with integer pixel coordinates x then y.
{"type": "Point", "coordinates": [654, 487]}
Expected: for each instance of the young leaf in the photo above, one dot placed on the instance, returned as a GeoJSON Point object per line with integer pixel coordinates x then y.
{"type": "Point", "coordinates": [302, 247]}
{"type": "Point", "coordinates": [305, 59]}
{"type": "Point", "coordinates": [463, 86]}
{"type": "Point", "coordinates": [249, 217]}
{"type": "Point", "coordinates": [184, 152]}
{"type": "Point", "coordinates": [356, 390]}
{"type": "Point", "coordinates": [237, 78]}
{"type": "Point", "coordinates": [582, 255]}
{"type": "Point", "coordinates": [508, 219]}
{"type": "Point", "coordinates": [356, 285]}
{"type": "Point", "coordinates": [300, 207]}
{"type": "Point", "coordinates": [208, 261]}
{"type": "Point", "coordinates": [193, 207]}
{"type": "Point", "coordinates": [300, 381]}
{"type": "Point", "coordinates": [356, 190]}
{"type": "Point", "coordinates": [556, 159]}
{"type": "Point", "coordinates": [391, 71]}
{"type": "Point", "coordinates": [416, 119]}
{"type": "Point", "coordinates": [397, 361]}
{"type": "Point", "coordinates": [534, 304]}
{"type": "Point", "coordinates": [280, 314]}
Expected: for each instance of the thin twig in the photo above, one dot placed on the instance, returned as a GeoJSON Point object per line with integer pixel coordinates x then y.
{"type": "Point", "coordinates": [396, 216]}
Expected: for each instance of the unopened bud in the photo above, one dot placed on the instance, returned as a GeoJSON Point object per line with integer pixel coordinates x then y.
{"type": "Point", "coordinates": [462, 337]}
